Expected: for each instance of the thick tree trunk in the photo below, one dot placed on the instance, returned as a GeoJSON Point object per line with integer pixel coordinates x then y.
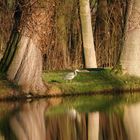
{"type": "Point", "coordinates": [87, 34]}
{"type": "Point", "coordinates": [130, 56]}
{"type": "Point", "coordinates": [23, 60]}
{"type": "Point", "coordinates": [26, 66]}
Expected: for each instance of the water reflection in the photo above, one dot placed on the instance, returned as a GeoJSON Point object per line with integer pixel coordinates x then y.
{"type": "Point", "coordinates": [66, 127]}
{"type": "Point", "coordinates": [112, 127]}
{"type": "Point", "coordinates": [93, 126]}
{"type": "Point", "coordinates": [51, 120]}
{"type": "Point", "coordinates": [132, 121]}
{"type": "Point", "coordinates": [29, 122]}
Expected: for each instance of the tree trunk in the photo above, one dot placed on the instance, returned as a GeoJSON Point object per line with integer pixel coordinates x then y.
{"type": "Point", "coordinates": [22, 60]}
{"type": "Point", "coordinates": [130, 56]}
{"type": "Point", "coordinates": [87, 34]}
{"type": "Point", "coordinates": [26, 66]}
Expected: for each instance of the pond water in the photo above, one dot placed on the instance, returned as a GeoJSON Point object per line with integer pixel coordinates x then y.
{"type": "Point", "coordinates": [97, 117]}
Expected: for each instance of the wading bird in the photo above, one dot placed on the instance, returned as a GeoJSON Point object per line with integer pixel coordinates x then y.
{"type": "Point", "coordinates": [71, 75]}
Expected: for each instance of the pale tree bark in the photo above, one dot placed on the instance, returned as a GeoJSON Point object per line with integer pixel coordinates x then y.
{"type": "Point", "coordinates": [132, 121]}
{"type": "Point", "coordinates": [26, 66]}
{"type": "Point", "coordinates": [87, 34]}
{"type": "Point", "coordinates": [130, 56]}
{"type": "Point", "coordinates": [93, 126]}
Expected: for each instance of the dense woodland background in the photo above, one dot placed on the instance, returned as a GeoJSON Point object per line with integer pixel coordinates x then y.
{"type": "Point", "coordinates": [62, 46]}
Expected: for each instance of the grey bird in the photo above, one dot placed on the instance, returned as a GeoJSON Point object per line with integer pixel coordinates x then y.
{"type": "Point", "coordinates": [71, 75]}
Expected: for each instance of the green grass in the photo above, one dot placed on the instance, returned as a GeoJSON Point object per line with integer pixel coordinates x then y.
{"type": "Point", "coordinates": [94, 81]}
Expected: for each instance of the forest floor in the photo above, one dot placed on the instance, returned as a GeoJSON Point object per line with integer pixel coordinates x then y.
{"type": "Point", "coordinates": [92, 81]}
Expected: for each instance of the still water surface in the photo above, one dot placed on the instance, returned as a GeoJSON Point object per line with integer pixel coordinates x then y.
{"type": "Point", "coordinates": [98, 117]}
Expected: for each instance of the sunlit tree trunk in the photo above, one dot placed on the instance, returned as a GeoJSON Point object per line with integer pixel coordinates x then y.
{"type": "Point", "coordinates": [22, 60]}
{"type": "Point", "coordinates": [130, 57]}
{"type": "Point", "coordinates": [93, 126]}
{"type": "Point", "coordinates": [87, 34]}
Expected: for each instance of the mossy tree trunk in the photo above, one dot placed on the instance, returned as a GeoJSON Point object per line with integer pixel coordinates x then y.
{"type": "Point", "coordinates": [22, 60]}
{"type": "Point", "coordinates": [130, 56]}
{"type": "Point", "coordinates": [87, 34]}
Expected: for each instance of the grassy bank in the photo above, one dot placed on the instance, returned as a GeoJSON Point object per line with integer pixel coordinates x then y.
{"type": "Point", "coordinates": [94, 81]}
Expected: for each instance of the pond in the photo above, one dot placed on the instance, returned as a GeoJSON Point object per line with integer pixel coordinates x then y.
{"type": "Point", "coordinates": [95, 117]}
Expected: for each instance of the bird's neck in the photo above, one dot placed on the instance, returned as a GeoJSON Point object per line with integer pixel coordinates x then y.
{"type": "Point", "coordinates": [75, 73]}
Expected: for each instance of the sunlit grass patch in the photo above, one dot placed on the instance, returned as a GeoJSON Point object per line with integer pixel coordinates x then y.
{"type": "Point", "coordinates": [92, 81]}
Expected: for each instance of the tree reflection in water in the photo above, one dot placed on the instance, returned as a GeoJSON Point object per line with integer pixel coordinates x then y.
{"type": "Point", "coordinates": [111, 127]}
{"type": "Point", "coordinates": [32, 122]}
{"type": "Point", "coordinates": [29, 122]}
{"type": "Point", "coordinates": [66, 127]}
{"type": "Point", "coordinates": [132, 121]}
